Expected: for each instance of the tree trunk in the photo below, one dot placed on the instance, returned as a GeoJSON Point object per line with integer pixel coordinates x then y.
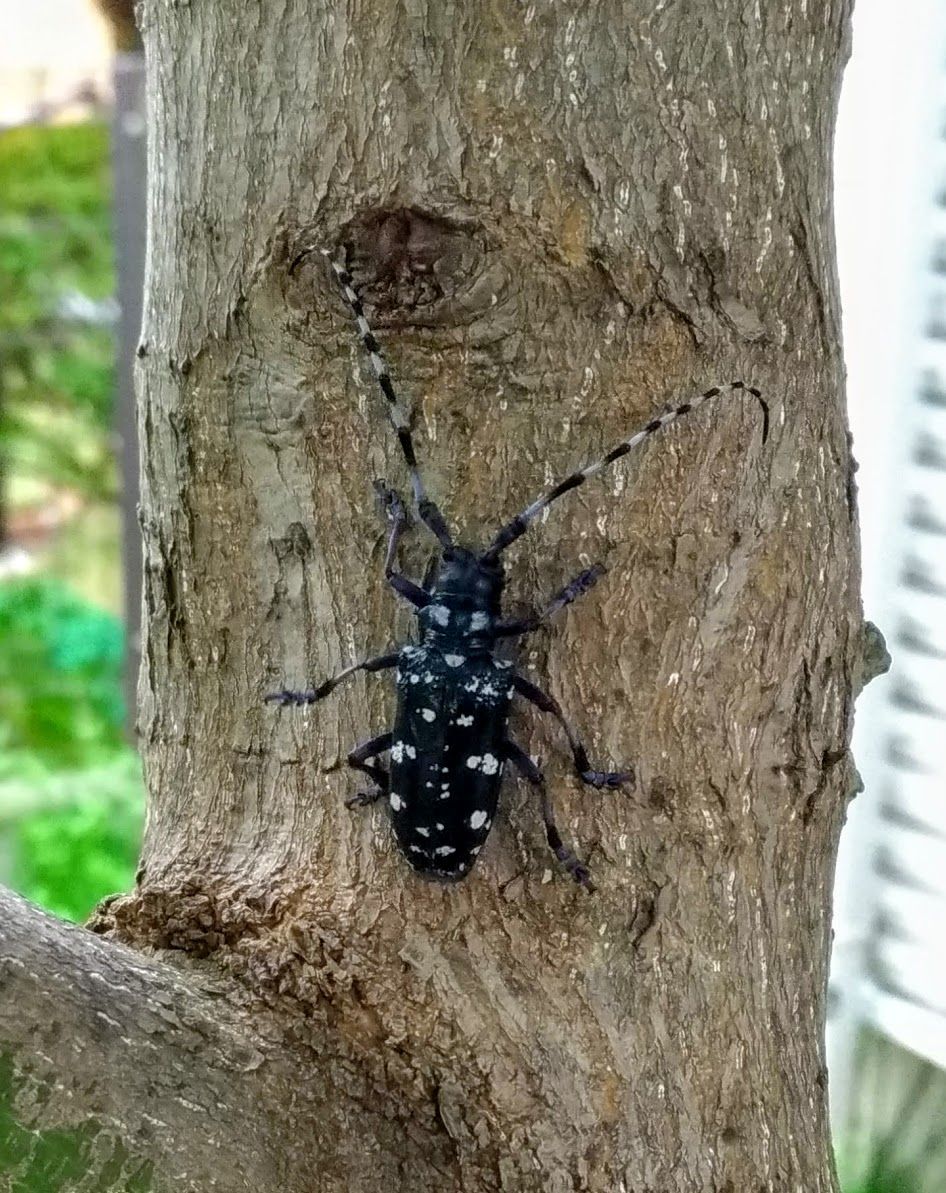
{"type": "Point", "coordinates": [560, 221]}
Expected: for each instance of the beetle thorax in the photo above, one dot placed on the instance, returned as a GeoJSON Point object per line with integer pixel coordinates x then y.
{"type": "Point", "coordinates": [465, 602]}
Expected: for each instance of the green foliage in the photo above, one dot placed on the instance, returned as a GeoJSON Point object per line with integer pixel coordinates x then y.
{"type": "Point", "coordinates": [70, 788]}
{"type": "Point", "coordinates": [71, 795]}
{"type": "Point", "coordinates": [890, 1183]}
{"type": "Point", "coordinates": [55, 375]}
{"type": "Point", "coordinates": [886, 1180]}
{"type": "Point", "coordinates": [81, 841]}
{"type": "Point", "coordinates": [60, 676]}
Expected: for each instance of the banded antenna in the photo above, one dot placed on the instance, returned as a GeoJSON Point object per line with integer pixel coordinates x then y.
{"type": "Point", "coordinates": [428, 510]}
{"type": "Point", "coordinates": [517, 527]}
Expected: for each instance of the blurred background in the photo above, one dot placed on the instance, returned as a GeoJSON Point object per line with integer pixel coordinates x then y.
{"type": "Point", "coordinates": [72, 173]}
{"type": "Point", "coordinates": [71, 797]}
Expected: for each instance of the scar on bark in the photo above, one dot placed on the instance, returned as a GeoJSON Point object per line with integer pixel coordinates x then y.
{"type": "Point", "coordinates": [404, 259]}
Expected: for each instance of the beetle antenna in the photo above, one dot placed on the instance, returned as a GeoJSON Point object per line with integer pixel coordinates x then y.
{"type": "Point", "coordinates": [429, 512]}
{"type": "Point", "coordinates": [520, 523]}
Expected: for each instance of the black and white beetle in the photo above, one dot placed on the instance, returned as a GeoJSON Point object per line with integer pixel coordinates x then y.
{"type": "Point", "coordinates": [449, 742]}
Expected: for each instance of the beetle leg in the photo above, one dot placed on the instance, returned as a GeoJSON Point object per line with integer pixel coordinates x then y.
{"type": "Point", "coordinates": [524, 764]}
{"type": "Point", "coordinates": [571, 592]}
{"type": "Point", "coordinates": [547, 703]}
{"type": "Point", "coordinates": [399, 520]}
{"type": "Point", "coordinates": [358, 760]}
{"type": "Point", "coordinates": [284, 697]}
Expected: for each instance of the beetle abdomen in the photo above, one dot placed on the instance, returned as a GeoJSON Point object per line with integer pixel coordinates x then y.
{"type": "Point", "coordinates": [447, 757]}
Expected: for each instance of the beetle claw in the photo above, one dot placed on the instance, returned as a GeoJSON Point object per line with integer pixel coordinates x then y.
{"type": "Point", "coordinates": [610, 779]}
{"type": "Point", "coordinates": [363, 799]}
{"type": "Point", "coordinates": [391, 504]}
{"type": "Point", "coordinates": [579, 872]}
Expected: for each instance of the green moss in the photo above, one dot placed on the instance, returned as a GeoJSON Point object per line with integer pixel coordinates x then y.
{"type": "Point", "coordinates": [57, 1160]}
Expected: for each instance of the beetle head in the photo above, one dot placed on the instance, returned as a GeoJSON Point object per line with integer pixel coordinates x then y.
{"type": "Point", "coordinates": [464, 578]}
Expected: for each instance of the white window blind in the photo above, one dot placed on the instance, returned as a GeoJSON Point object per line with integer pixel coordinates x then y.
{"type": "Point", "coordinates": [889, 964]}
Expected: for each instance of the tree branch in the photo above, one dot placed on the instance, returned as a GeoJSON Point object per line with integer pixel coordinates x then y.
{"type": "Point", "coordinates": [110, 1043]}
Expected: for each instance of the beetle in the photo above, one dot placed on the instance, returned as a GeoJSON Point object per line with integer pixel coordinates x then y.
{"type": "Point", "coordinates": [449, 744]}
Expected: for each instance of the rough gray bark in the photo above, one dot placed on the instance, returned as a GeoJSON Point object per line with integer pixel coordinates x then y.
{"type": "Point", "coordinates": [560, 220]}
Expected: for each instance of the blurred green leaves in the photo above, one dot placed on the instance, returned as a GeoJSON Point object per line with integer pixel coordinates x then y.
{"type": "Point", "coordinates": [80, 840]}
{"type": "Point", "coordinates": [60, 665]}
{"type": "Point", "coordinates": [70, 789]}
{"type": "Point", "coordinates": [71, 794]}
{"type": "Point", "coordinates": [56, 279]}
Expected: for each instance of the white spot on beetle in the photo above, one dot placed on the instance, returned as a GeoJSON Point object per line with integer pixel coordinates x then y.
{"type": "Point", "coordinates": [415, 849]}
{"type": "Point", "coordinates": [440, 614]}
{"type": "Point", "coordinates": [401, 750]}
{"type": "Point", "coordinates": [465, 720]}
{"type": "Point", "coordinates": [478, 819]}
{"type": "Point", "coordinates": [396, 802]}
{"type": "Point", "coordinates": [488, 763]}
{"type": "Point", "coordinates": [454, 660]}
{"type": "Point", "coordinates": [479, 621]}
{"type": "Point", "coordinates": [439, 827]}
{"type": "Point", "coordinates": [423, 832]}
{"type": "Point", "coordinates": [475, 850]}
{"type": "Point", "coordinates": [444, 850]}
{"type": "Point", "coordinates": [428, 714]}
{"type": "Point", "coordinates": [415, 678]}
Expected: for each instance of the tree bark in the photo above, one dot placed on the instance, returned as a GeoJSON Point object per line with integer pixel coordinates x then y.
{"type": "Point", "coordinates": [560, 220]}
